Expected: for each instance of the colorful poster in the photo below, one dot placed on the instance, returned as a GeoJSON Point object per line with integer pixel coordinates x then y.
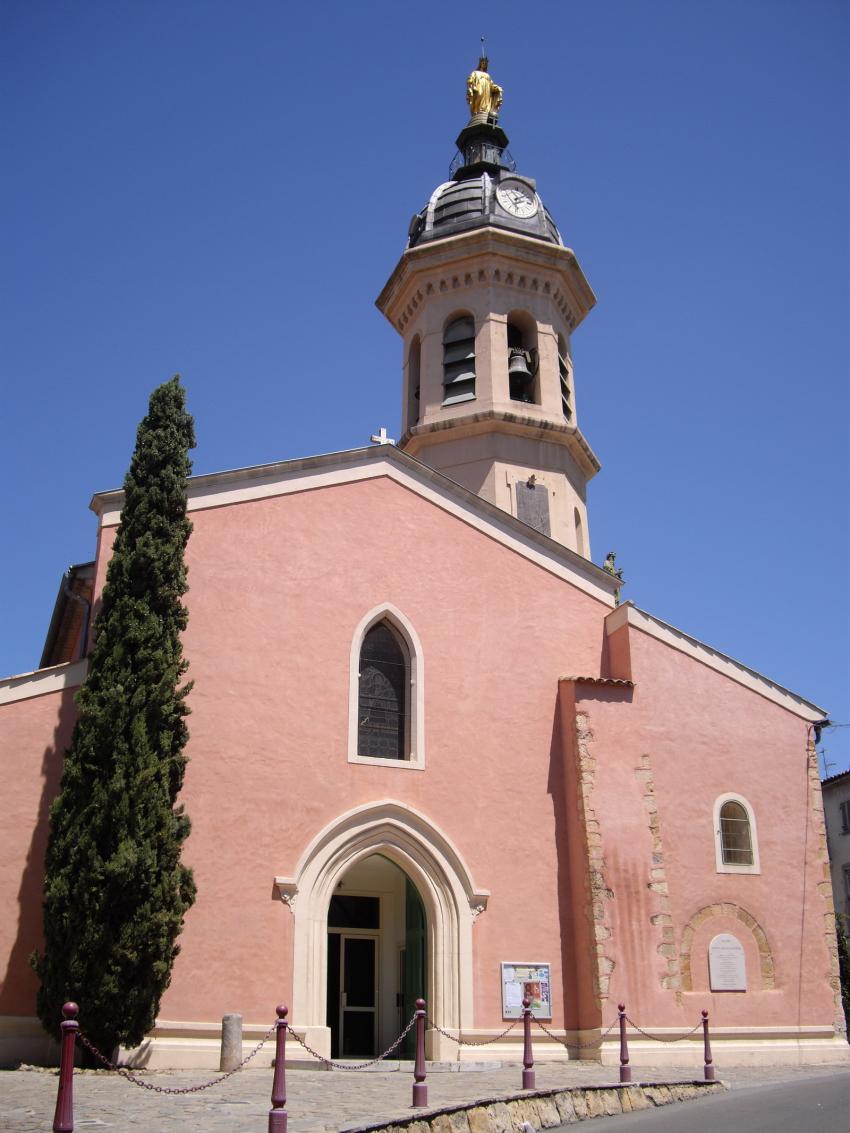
{"type": "Point", "coordinates": [526, 981]}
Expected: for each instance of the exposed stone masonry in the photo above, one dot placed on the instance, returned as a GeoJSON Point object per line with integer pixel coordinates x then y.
{"type": "Point", "coordinates": [670, 975]}
{"type": "Point", "coordinates": [727, 909]}
{"type": "Point", "coordinates": [598, 890]}
{"type": "Point", "coordinates": [546, 1109]}
{"type": "Point", "coordinates": [824, 886]}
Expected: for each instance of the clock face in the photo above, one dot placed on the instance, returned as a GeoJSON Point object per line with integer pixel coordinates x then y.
{"type": "Point", "coordinates": [517, 199]}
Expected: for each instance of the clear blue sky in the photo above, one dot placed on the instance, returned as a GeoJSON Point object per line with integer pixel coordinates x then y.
{"type": "Point", "coordinates": [221, 189]}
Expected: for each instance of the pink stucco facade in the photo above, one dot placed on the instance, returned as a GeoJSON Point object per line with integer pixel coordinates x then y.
{"type": "Point", "coordinates": [562, 809]}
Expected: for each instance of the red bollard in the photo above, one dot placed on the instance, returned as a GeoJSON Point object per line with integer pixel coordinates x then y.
{"type": "Point", "coordinates": [709, 1063]}
{"type": "Point", "coordinates": [63, 1118]}
{"type": "Point", "coordinates": [625, 1069]}
{"type": "Point", "coordinates": [420, 1090]}
{"type": "Point", "coordinates": [528, 1078]}
{"type": "Point", "coordinates": [277, 1114]}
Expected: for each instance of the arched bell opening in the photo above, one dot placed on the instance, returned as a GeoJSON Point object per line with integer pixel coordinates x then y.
{"type": "Point", "coordinates": [377, 958]}
{"type": "Point", "coordinates": [523, 377]}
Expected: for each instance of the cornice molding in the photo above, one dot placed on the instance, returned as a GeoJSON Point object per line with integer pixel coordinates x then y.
{"type": "Point", "coordinates": [56, 678]}
{"type": "Point", "coordinates": [631, 615]}
{"type": "Point", "coordinates": [242, 485]}
{"type": "Point", "coordinates": [514, 424]}
{"type": "Point", "coordinates": [512, 260]}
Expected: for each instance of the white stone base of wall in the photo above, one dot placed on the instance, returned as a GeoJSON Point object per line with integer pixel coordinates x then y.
{"type": "Point", "coordinates": [176, 1045]}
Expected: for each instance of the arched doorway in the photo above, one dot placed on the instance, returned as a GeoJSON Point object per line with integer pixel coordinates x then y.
{"type": "Point", "coordinates": [450, 901]}
{"type": "Point", "coordinates": [377, 957]}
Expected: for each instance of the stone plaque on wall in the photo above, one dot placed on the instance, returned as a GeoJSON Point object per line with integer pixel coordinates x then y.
{"type": "Point", "coordinates": [532, 505]}
{"type": "Point", "coordinates": [727, 968]}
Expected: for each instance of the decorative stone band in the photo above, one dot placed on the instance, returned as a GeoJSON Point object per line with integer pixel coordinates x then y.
{"type": "Point", "coordinates": [71, 674]}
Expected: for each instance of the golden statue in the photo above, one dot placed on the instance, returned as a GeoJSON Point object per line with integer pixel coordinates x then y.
{"type": "Point", "coordinates": [483, 95]}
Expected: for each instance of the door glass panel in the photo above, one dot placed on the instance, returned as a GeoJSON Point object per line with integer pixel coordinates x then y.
{"type": "Point", "coordinates": [354, 912]}
{"type": "Point", "coordinates": [358, 1034]}
{"type": "Point", "coordinates": [359, 972]}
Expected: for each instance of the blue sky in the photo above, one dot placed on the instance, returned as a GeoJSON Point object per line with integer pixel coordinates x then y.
{"type": "Point", "coordinates": [221, 190]}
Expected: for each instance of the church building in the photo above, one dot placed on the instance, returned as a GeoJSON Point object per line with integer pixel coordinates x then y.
{"type": "Point", "coordinates": [460, 768]}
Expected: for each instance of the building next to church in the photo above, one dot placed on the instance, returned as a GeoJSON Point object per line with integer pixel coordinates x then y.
{"type": "Point", "coordinates": [430, 753]}
{"type": "Point", "coordinates": [836, 806]}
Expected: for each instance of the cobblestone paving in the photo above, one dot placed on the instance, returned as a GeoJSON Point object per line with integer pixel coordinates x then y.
{"type": "Point", "coordinates": [319, 1101]}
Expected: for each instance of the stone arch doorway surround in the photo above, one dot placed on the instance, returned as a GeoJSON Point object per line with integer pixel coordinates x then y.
{"type": "Point", "coordinates": [451, 899]}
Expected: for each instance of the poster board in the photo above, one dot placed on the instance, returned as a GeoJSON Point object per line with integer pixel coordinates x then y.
{"type": "Point", "coordinates": [526, 980]}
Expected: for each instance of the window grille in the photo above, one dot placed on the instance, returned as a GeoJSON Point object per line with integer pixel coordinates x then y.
{"type": "Point", "coordinates": [735, 841]}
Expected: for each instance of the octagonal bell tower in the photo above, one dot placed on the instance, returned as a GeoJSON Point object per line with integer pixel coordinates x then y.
{"type": "Point", "coordinates": [486, 298]}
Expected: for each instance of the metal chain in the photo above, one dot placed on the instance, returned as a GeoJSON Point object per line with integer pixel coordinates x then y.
{"type": "Point", "coordinates": [664, 1038]}
{"type": "Point", "coordinates": [467, 1042]}
{"type": "Point", "coordinates": [359, 1065]}
{"type": "Point", "coordinates": [120, 1070]}
{"type": "Point", "coordinates": [582, 1045]}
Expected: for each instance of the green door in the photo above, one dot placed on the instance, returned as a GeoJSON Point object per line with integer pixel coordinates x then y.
{"type": "Point", "coordinates": [414, 965]}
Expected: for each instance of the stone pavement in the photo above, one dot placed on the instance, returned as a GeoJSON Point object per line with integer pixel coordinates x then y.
{"type": "Point", "coordinates": [318, 1101]}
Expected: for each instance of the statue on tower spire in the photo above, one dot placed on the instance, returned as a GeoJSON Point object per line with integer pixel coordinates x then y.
{"type": "Point", "coordinates": [483, 95]}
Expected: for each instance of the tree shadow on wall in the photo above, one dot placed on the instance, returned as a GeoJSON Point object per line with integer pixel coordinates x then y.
{"type": "Point", "coordinates": [20, 983]}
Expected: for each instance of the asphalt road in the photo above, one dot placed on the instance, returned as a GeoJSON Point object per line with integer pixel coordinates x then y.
{"type": "Point", "coordinates": [820, 1105]}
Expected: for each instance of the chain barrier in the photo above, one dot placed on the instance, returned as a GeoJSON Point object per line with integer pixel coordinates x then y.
{"type": "Point", "coordinates": [664, 1038]}
{"type": "Point", "coordinates": [130, 1077]}
{"type": "Point", "coordinates": [469, 1042]}
{"type": "Point", "coordinates": [360, 1065]}
{"type": "Point", "coordinates": [580, 1043]}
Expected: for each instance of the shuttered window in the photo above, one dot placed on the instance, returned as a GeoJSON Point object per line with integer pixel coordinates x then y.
{"type": "Point", "coordinates": [459, 361]}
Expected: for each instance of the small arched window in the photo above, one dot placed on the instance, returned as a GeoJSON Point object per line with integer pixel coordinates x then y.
{"type": "Point", "coordinates": [736, 844]}
{"type": "Point", "coordinates": [413, 392]}
{"type": "Point", "coordinates": [579, 532]}
{"type": "Point", "coordinates": [459, 360]}
{"type": "Point", "coordinates": [384, 694]}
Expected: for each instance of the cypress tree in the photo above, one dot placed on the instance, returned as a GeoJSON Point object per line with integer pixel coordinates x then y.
{"type": "Point", "coordinates": [115, 891]}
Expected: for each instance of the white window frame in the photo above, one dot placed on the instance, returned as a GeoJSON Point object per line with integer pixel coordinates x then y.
{"type": "Point", "coordinates": [728, 867]}
{"type": "Point", "coordinates": [414, 760]}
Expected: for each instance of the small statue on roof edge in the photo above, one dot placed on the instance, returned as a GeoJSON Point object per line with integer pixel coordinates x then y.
{"type": "Point", "coordinates": [610, 566]}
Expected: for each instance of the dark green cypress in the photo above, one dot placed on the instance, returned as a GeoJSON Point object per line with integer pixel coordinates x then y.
{"type": "Point", "coordinates": [115, 891]}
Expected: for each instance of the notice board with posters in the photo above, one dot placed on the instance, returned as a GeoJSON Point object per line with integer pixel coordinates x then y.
{"type": "Point", "coordinates": [526, 981]}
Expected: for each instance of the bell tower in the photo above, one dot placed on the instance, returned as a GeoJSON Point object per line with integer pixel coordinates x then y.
{"type": "Point", "coordinates": [486, 298]}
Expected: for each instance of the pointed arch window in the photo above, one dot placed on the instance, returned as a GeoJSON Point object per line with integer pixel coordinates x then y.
{"type": "Point", "coordinates": [386, 697]}
{"type": "Point", "coordinates": [382, 725]}
{"type": "Point", "coordinates": [459, 360]}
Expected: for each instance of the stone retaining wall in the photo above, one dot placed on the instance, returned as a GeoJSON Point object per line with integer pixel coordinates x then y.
{"type": "Point", "coordinates": [542, 1109]}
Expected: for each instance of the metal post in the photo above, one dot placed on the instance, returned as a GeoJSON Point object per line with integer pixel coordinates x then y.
{"type": "Point", "coordinates": [528, 1077]}
{"type": "Point", "coordinates": [709, 1063]}
{"type": "Point", "coordinates": [625, 1069]}
{"type": "Point", "coordinates": [63, 1118]}
{"type": "Point", "coordinates": [420, 1090]}
{"type": "Point", "coordinates": [277, 1114]}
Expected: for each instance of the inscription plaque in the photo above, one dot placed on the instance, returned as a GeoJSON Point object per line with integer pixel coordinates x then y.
{"type": "Point", "coordinates": [727, 968]}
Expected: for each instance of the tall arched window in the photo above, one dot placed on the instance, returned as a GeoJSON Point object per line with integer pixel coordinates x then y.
{"type": "Point", "coordinates": [736, 842]}
{"type": "Point", "coordinates": [384, 695]}
{"type": "Point", "coordinates": [459, 360]}
{"type": "Point", "coordinates": [564, 376]}
{"type": "Point", "coordinates": [579, 532]}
